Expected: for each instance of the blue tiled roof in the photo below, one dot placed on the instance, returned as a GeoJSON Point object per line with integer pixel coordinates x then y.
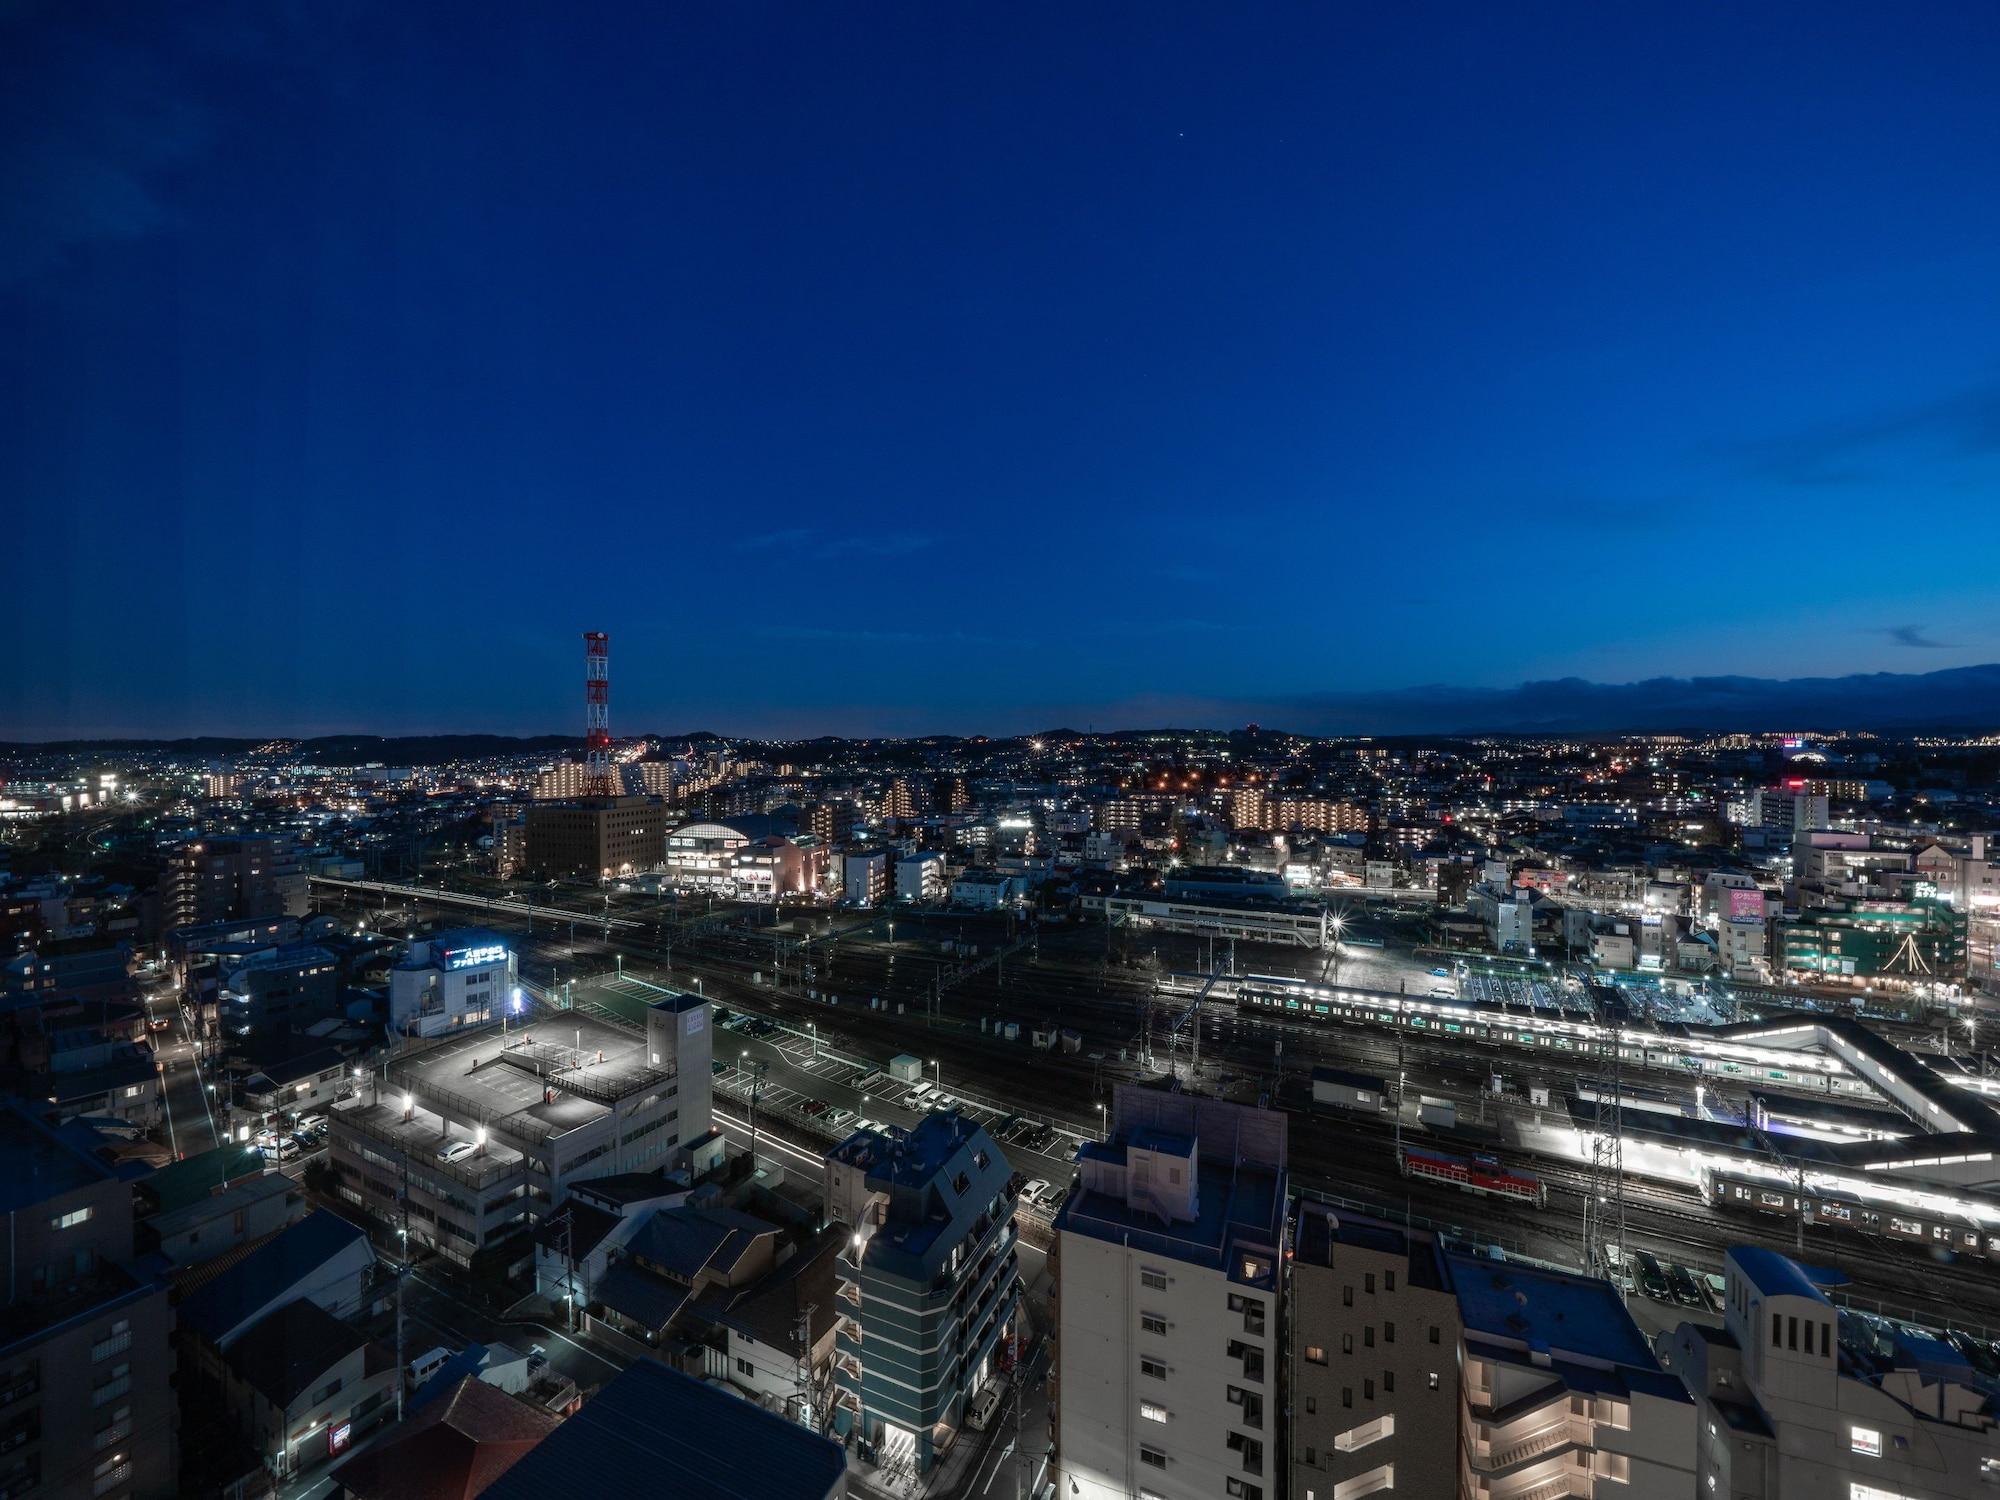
{"type": "Point", "coordinates": [267, 1274]}
{"type": "Point", "coordinates": [1547, 1310]}
{"type": "Point", "coordinates": [654, 1431]}
{"type": "Point", "coordinates": [1773, 1274]}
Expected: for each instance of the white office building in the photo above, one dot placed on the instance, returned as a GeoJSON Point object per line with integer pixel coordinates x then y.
{"type": "Point", "coordinates": [921, 877]}
{"type": "Point", "coordinates": [465, 977]}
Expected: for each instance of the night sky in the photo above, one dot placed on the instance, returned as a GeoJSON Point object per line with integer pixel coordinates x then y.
{"type": "Point", "coordinates": [982, 367]}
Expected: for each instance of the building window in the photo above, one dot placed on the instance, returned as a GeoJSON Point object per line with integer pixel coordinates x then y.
{"type": "Point", "coordinates": [1434, 1333]}
{"type": "Point", "coordinates": [1315, 1355]}
{"type": "Point", "coordinates": [1388, 1281]}
{"type": "Point", "coordinates": [1347, 1296]}
{"type": "Point", "coordinates": [1434, 1380]}
{"type": "Point", "coordinates": [744, 1367]}
{"type": "Point", "coordinates": [1347, 1343]}
{"type": "Point", "coordinates": [1242, 1489]}
{"type": "Point", "coordinates": [1368, 1283]}
{"type": "Point", "coordinates": [1388, 1333]}
{"type": "Point", "coordinates": [1347, 1395]}
{"type": "Point", "coordinates": [1152, 1411]}
{"type": "Point", "coordinates": [1152, 1323]}
{"type": "Point", "coordinates": [1153, 1280]}
{"type": "Point", "coordinates": [1153, 1369]}
{"type": "Point", "coordinates": [1865, 1440]}
{"type": "Point", "coordinates": [1777, 1329]}
{"type": "Point", "coordinates": [1368, 1337]}
{"type": "Point", "coordinates": [1367, 1390]}
{"type": "Point", "coordinates": [71, 1219]}
{"type": "Point", "coordinates": [1388, 1382]}
{"type": "Point", "coordinates": [1312, 1405]}
{"type": "Point", "coordinates": [1153, 1458]}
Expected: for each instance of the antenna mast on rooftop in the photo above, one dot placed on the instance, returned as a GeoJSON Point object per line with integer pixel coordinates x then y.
{"type": "Point", "coordinates": [597, 714]}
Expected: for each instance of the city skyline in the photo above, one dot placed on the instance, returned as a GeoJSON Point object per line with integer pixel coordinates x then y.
{"type": "Point", "coordinates": [963, 378]}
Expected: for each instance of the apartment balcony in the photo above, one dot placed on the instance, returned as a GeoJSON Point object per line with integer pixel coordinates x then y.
{"type": "Point", "coordinates": [847, 1334]}
{"type": "Point", "coordinates": [848, 1292]}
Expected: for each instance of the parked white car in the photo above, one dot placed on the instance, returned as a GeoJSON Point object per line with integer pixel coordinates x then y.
{"type": "Point", "coordinates": [456, 1151]}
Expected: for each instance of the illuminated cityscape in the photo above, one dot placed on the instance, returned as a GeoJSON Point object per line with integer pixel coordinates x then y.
{"type": "Point", "coordinates": [1113, 754]}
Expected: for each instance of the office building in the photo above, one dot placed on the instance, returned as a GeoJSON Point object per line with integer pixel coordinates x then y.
{"type": "Point", "coordinates": [596, 839]}
{"type": "Point", "coordinates": [864, 878]}
{"type": "Point", "coordinates": [1168, 1293]}
{"type": "Point", "coordinates": [452, 980]}
{"type": "Point", "coordinates": [1796, 1398]}
{"type": "Point", "coordinates": [921, 877]}
{"type": "Point", "coordinates": [929, 1280]}
{"type": "Point", "coordinates": [86, 1366]}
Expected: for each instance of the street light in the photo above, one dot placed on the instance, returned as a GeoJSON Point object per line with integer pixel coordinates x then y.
{"type": "Point", "coordinates": [937, 1074]}
{"type": "Point", "coordinates": [1100, 1122]}
{"type": "Point", "coordinates": [813, 1027]}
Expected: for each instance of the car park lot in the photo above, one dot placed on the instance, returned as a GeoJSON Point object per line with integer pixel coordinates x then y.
{"type": "Point", "coordinates": [834, 1095]}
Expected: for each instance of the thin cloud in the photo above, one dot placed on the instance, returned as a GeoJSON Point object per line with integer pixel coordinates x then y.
{"type": "Point", "coordinates": [1914, 637]}
{"type": "Point", "coordinates": [1965, 424]}
{"type": "Point", "coordinates": [851, 544]}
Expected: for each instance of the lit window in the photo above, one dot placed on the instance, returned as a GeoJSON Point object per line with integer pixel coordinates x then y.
{"type": "Point", "coordinates": [69, 1220]}
{"type": "Point", "coordinates": [1865, 1440]}
{"type": "Point", "coordinates": [1152, 1411]}
{"type": "Point", "coordinates": [1315, 1355]}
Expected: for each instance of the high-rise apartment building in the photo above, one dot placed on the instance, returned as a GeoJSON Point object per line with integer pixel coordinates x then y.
{"type": "Point", "coordinates": [1168, 1289]}
{"type": "Point", "coordinates": [1421, 1372]}
{"type": "Point", "coordinates": [1373, 1359]}
{"type": "Point", "coordinates": [86, 1366]}
{"type": "Point", "coordinates": [225, 878]}
{"type": "Point", "coordinates": [929, 1283]}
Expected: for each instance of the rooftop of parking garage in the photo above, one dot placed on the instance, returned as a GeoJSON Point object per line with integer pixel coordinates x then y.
{"type": "Point", "coordinates": [421, 1133]}
{"type": "Point", "coordinates": [540, 1079]}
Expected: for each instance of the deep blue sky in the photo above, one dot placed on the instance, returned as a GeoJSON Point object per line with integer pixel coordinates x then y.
{"type": "Point", "coordinates": [982, 366]}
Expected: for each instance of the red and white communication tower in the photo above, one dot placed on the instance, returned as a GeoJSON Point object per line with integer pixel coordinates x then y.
{"type": "Point", "coordinates": [597, 714]}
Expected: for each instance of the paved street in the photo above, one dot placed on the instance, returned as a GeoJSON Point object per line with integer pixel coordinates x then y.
{"type": "Point", "coordinates": [191, 1125]}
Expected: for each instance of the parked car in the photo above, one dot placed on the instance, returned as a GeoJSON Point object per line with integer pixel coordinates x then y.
{"type": "Point", "coordinates": [814, 1108]}
{"type": "Point", "coordinates": [839, 1116]}
{"type": "Point", "coordinates": [1717, 1289]}
{"type": "Point", "coordinates": [1686, 1290]}
{"type": "Point", "coordinates": [312, 1122]}
{"type": "Point", "coordinates": [945, 1101]}
{"type": "Point", "coordinates": [1651, 1278]}
{"type": "Point", "coordinates": [288, 1149]}
{"type": "Point", "coordinates": [1033, 1189]}
{"type": "Point", "coordinates": [984, 1405]}
{"type": "Point", "coordinates": [456, 1151]}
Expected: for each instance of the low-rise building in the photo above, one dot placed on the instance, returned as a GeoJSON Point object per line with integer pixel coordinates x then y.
{"type": "Point", "coordinates": [452, 980]}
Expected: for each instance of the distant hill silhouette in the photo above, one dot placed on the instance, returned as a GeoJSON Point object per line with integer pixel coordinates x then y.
{"type": "Point", "coordinates": [1959, 697]}
{"type": "Point", "coordinates": [1955, 698]}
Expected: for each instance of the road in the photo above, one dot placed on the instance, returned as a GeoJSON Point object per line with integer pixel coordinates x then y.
{"type": "Point", "coordinates": [191, 1124]}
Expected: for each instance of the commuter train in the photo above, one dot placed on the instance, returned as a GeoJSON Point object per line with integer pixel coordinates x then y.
{"type": "Point", "coordinates": [1846, 1214]}
{"type": "Point", "coordinates": [1477, 1174]}
{"type": "Point", "coordinates": [1307, 1003]}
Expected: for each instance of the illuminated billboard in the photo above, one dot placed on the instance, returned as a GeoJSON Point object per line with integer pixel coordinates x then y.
{"type": "Point", "coordinates": [472, 958]}
{"type": "Point", "coordinates": [1746, 903]}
